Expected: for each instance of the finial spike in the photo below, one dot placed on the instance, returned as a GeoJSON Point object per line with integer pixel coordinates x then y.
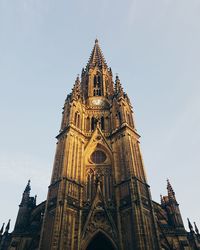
{"type": "Point", "coordinates": [190, 225]}
{"type": "Point", "coordinates": [7, 226]}
{"type": "Point", "coordinates": [28, 186]}
{"type": "Point", "coordinates": [196, 228]}
{"type": "Point", "coordinates": [2, 228]}
{"type": "Point", "coordinates": [170, 190]}
{"type": "Point", "coordinates": [77, 78]}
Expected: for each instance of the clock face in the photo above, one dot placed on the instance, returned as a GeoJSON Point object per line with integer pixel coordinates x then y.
{"type": "Point", "coordinates": [97, 102]}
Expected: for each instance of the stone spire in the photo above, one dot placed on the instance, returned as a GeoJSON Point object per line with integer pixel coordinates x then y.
{"type": "Point", "coordinates": [76, 91]}
{"type": "Point", "coordinates": [171, 193]}
{"type": "Point", "coordinates": [118, 87]}
{"type": "Point", "coordinates": [196, 228]}
{"type": "Point", "coordinates": [96, 57]}
{"type": "Point", "coordinates": [2, 228]}
{"type": "Point", "coordinates": [7, 227]}
{"type": "Point", "coordinates": [26, 193]}
{"type": "Point", "coordinates": [28, 187]}
{"type": "Point", "coordinates": [190, 225]}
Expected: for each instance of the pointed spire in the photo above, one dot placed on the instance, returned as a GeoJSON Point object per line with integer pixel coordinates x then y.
{"type": "Point", "coordinates": [28, 187]}
{"type": "Point", "coordinates": [26, 194]}
{"type": "Point", "coordinates": [2, 228]}
{"type": "Point", "coordinates": [190, 225]}
{"type": "Point", "coordinates": [76, 91]}
{"type": "Point", "coordinates": [96, 57]}
{"type": "Point", "coordinates": [7, 227]}
{"type": "Point", "coordinates": [196, 228]}
{"type": "Point", "coordinates": [171, 193]}
{"type": "Point", "coordinates": [118, 87]}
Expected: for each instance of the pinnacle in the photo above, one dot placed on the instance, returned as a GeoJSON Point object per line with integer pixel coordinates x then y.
{"type": "Point", "coordinates": [28, 187]}
{"type": "Point", "coordinates": [190, 225]}
{"type": "Point", "coordinates": [169, 188]}
{"type": "Point", "coordinates": [7, 226]}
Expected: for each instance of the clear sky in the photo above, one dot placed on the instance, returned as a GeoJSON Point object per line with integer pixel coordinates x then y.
{"type": "Point", "coordinates": [154, 46]}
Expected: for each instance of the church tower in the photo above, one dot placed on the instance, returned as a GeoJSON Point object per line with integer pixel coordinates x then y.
{"type": "Point", "coordinates": [99, 197]}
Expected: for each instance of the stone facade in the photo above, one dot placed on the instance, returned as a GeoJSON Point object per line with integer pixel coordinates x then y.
{"type": "Point", "coordinates": [99, 197]}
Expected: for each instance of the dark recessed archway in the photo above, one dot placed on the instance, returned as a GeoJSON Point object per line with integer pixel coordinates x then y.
{"type": "Point", "coordinates": [100, 242]}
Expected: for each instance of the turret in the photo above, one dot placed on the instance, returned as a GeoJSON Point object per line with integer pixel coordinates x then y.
{"type": "Point", "coordinates": [27, 203]}
{"type": "Point", "coordinates": [170, 191]}
{"type": "Point", "coordinates": [170, 203]}
{"type": "Point", "coordinates": [76, 91]}
{"type": "Point", "coordinates": [118, 87]}
{"type": "Point", "coordinates": [194, 235]}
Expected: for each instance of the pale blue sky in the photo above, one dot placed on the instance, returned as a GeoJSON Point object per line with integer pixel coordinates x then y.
{"type": "Point", "coordinates": [154, 46]}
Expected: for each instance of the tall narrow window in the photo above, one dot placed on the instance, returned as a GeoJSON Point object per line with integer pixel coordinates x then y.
{"type": "Point", "coordinates": [75, 119]}
{"type": "Point", "coordinates": [97, 85]}
{"type": "Point", "coordinates": [88, 124]}
{"type": "Point", "coordinates": [95, 81]}
{"type": "Point", "coordinates": [120, 118]}
{"type": "Point", "coordinates": [78, 121]}
{"type": "Point", "coordinates": [90, 185]}
{"type": "Point", "coordinates": [93, 123]}
{"type": "Point", "coordinates": [102, 123]}
{"type": "Point", "coordinates": [129, 119]}
{"type": "Point", "coordinates": [99, 81]}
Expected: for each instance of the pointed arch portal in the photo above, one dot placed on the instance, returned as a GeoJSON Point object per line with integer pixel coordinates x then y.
{"type": "Point", "coordinates": [100, 242]}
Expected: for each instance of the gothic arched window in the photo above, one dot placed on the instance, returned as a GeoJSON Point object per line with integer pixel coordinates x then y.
{"type": "Point", "coordinates": [88, 124]}
{"type": "Point", "coordinates": [93, 123]}
{"type": "Point", "coordinates": [102, 123]}
{"type": "Point", "coordinates": [129, 119]}
{"type": "Point", "coordinates": [90, 184]}
{"type": "Point", "coordinates": [99, 81]}
{"type": "Point", "coordinates": [75, 118]}
{"type": "Point", "coordinates": [97, 85]}
{"type": "Point", "coordinates": [120, 118]}
{"type": "Point", "coordinates": [78, 121]}
{"type": "Point", "coordinates": [95, 81]}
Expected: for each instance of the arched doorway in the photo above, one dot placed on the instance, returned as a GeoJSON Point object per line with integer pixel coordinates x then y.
{"type": "Point", "coordinates": [100, 242]}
